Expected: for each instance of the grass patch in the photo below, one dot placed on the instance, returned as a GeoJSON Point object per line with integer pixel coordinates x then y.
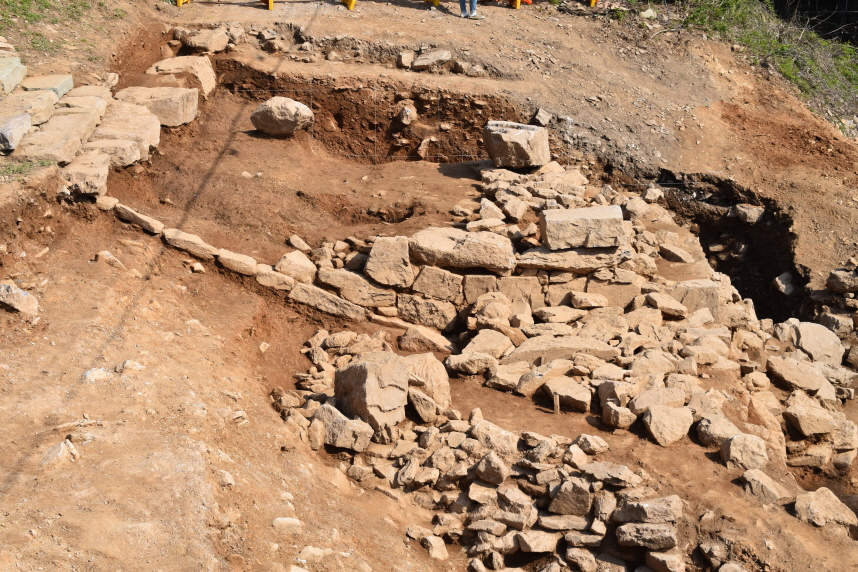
{"type": "Point", "coordinates": [825, 71]}
{"type": "Point", "coordinates": [32, 11]}
{"type": "Point", "coordinates": [19, 168]}
{"type": "Point", "coordinates": [42, 43]}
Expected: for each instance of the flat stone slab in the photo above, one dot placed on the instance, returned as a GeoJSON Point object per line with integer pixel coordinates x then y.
{"type": "Point", "coordinates": [101, 91]}
{"type": "Point", "coordinates": [121, 152]}
{"type": "Point", "coordinates": [39, 104]}
{"type": "Point", "coordinates": [84, 102]}
{"type": "Point", "coordinates": [11, 73]}
{"type": "Point", "coordinates": [326, 302]}
{"type": "Point", "coordinates": [514, 145]}
{"type": "Point", "coordinates": [130, 122]}
{"type": "Point", "coordinates": [173, 106]}
{"type": "Point", "coordinates": [59, 84]}
{"type": "Point", "coordinates": [60, 139]}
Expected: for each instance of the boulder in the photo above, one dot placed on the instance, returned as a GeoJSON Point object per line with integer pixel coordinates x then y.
{"type": "Point", "coordinates": [673, 253]}
{"type": "Point", "coordinates": [530, 382]}
{"type": "Point", "coordinates": [514, 145]}
{"type": "Point", "coordinates": [614, 415]}
{"type": "Point", "coordinates": [200, 67]}
{"type": "Point", "coordinates": [454, 248]}
{"type": "Point", "coordinates": [374, 389]}
{"type": "Point", "coordinates": [326, 302]}
{"type": "Point", "coordinates": [667, 425]}
{"type": "Point", "coordinates": [670, 397]}
{"type": "Point", "coordinates": [342, 432]}
{"type": "Point", "coordinates": [594, 227]}
{"type": "Point", "coordinates": [537, 541]}
{"type": "Point", "coordinates": [426, 408]}
{"type": "Point", "coordinates": [764, 487]}
{"type": "Point", "coordinates": [173, 106]}
{"type": "Point", "coordinates": [281, 116]}
{"type": "Point", "coordinates": [744, 452]}
{"type": "Point", "coordinates": [60, 139]}
{"type": "Point", "coordinates": [822, 507]}
{"type": "Point", "coordinates": [569, 393]}
{"type": "Point", "coordinates": [492, 469]}
{"type": "Point", "coordinates": [668, 305]}
{"type": "Point", "coordinates": [12, 297]}
{"type": "Point", "coordinates": [355, 288]}
{"type": "Point", "coordinates": [296, 265]}
{"type": "Point", "coordinates": [423, 339]}
{"type": "Point", "coordinates": [240, 263]}
{"type": "Point", "coordinates": [612, 474]}
{"type": "Point", "coordinates": [435, 546]}
{"type": "Point", "coordinates": [506, 377]}
{"type": "Point", "coordinates": [820, 343]}
{"type": "Point", "coordinates": [388, 262]}
{"type": "Point", "coordinates": [842, 281]}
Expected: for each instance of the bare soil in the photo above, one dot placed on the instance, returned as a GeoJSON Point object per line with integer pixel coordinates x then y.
{"type": "Point", "coordinates": [146, 492]}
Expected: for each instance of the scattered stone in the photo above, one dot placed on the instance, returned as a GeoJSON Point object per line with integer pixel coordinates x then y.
{"type": "Point", "coordinates": [450, 247]}
{"type": "Point", "coordinates": [431, 59]}
{"type": "Point", "coordinates": [749, 214]}
{"type": "Point", "coordinates": [296, 265]}
{"type": "Point", "coordinates": [267, 276]}
{"type": "Point", "coordinates": [189, 243]}
{"type": "Point", "coordinates": [654, 511]}
{"type": "Point", "coordinates": [423, 339]}
{"type": "Point", "coordinates": [340, 431]}
{"type": "Point", "coordinates": [200, 67]}
{"type": "Point", "coordinates": [240, 263]}
{"type": "Point", "coordinates": [18, 300]}
{"type": "Point", "coordinates": [389, 263]}
{"type": "Point", "coordinates": [286, 525]}
{"type": "Point", "coordinates": [651, 536]}
{"type": "Point", "coordinates": [537, 541]}
{"type": "Point", "coordinates": [820, 343]}
{"type": "Point", "coordinates": [810, 420]}
{"type": "Point", "coordinates": [714, 428]}
{"type": "Point", "coordinates": [325, 301]}
{"type": "Point", "coordinates": [130, 215]}
{"type": "Point", "coordinates": [59, 84]}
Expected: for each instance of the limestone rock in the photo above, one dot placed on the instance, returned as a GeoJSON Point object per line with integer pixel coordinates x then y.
{"type": "Point", "coordinates": [613, 474]}
{"type": "Point", "coordinates": [326, 302]}
{"type": "Point", "coordinates": [651, 536]}
{"type": "Point", "coordinates": [212, 41]}
{"type": "Point", "coordinates": [426, 408]}
{"type": "Point", "coordinates": [450, 247]}
{"type": "Point", "coordinates": [438, 283]}
{"type": "Point", "coordinates": [13, 126]}
{"type": "Point", "coordinates": [18, 300]}
{"type": "Point", "coordinates": [573, 497]}
{"type": "Point", "coordinates": [11, 73]}
{"type": "Point", "coordinates": [492, 469]}
{"type": "Point", "coordinates": [488, 342]}
{"type": "Point", "coordinates": [668, 305]}
{"type": "Point", "coordinates": [435, 546]}
{"type": "Point", "coordinates": [577, 260]}
{"type": "Point", "coordinates": [296, 265]}
{"type": "Point", "coordinates": [549, 348]}
{"type": "Point", "coordinates": [796, 374]}
{"type": "Point", "coordinates": [472, 363]}
{"type": "Point", "coordinates": [569, 392]}
{"type": "Point", "coordinates": [120, 153]}
{"type": "Point", "coordinates": [594, 227]}
{"type": "Point", "coordinates": [281, 116]}
{"type": "Point", "coordinates": [822, 507]}
{"type": "Point", "coordinates": [173, 106]}
{"type": "Point", "coordinates": [514, 145]}
{"type": "Point", "coordinates": [667, 425]}
{"type": "Point", "coordinates": [389, 263]}
{"type": "Point", "coordinates": [236, 262]}
{"type": "Point", "coordinates": [537, 541]}
{"type": "Point", "coordinates": [669, 397]}
{"type": "Point", "coordinates": [744, 452]}
{"type": "Point", "coordinates": [810, 420]}
{"type": "Point", "coordinates": [494, 438]}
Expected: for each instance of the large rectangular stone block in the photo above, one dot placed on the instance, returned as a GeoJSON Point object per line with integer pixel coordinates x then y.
{"type": "Point", "coordinates": [592, 227]}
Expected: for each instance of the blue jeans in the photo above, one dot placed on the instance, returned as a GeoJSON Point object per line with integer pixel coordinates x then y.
{"type": "Point", "coordinates": [463, 4]}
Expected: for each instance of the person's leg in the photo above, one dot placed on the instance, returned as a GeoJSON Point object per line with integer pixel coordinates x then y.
{"type": "Point", "coordinates": [473, 6]}
{"type": "Point", "coordinates": [463, 5]}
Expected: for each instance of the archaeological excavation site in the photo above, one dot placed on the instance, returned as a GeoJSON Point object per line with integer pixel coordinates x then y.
{"type": "Point", "coordinates": [373, 287]}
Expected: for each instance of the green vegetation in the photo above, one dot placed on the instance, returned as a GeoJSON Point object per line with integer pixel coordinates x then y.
{"type": "Point", "coordinates": [15, 167]}
{"type": "Point", "coordinates": [32, 11]}
{"type": "Point", "coordinates": [825, 71]}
